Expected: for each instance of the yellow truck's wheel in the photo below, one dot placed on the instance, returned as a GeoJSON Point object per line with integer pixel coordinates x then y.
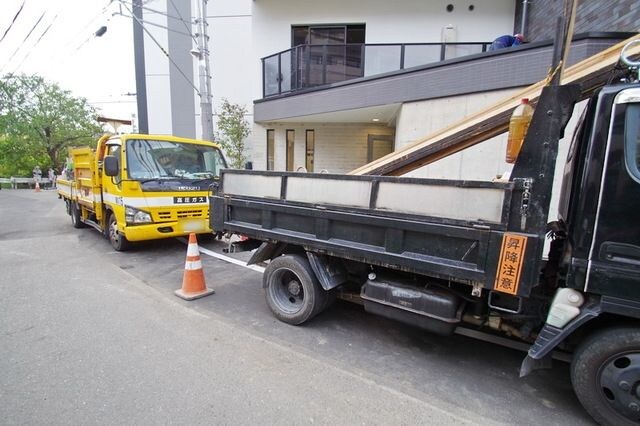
{"type": "Point", "coordinates": [76, 217]}
{"type": "Point", "coordinates": [118, 241]}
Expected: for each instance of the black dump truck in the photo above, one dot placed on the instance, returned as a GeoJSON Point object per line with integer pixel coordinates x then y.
{"type": "Point", "coordinates": [450, 255]}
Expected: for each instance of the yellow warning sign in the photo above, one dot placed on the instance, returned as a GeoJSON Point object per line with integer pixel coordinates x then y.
{"type": "Point", "coordinates": [510, 264]}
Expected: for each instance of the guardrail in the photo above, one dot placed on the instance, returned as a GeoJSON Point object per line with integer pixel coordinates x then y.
{"type": "Point", "coordinates": [30, 182]}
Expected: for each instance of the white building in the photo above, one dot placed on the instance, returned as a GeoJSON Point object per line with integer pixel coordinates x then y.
{"type": "Point", "coordinates": [332, 85]}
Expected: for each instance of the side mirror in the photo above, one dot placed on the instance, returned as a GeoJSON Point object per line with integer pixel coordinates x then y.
{"type": "Point", "coordinates": [111, 166]}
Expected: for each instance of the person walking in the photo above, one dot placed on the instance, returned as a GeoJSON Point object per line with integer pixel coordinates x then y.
{"type": "Point", "coordinates": [52, 178]}
{"type": "Point", "coordinates": [37, 176]}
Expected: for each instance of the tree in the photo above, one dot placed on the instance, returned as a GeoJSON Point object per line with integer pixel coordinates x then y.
{"type": "Point", "coordinates": [234, 128]}
{"type": "Point", "coordinates": [39, 121]}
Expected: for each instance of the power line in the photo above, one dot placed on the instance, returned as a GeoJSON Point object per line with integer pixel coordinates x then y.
{"type": "Point", "coordinates": [183, 21]}
{"type": "Point", "coordinates": [36, 43]}
{"type": "Point", "coordinates": [13, 21]}
{"type": "Point", "coordinates": [64, 47]}
{"type": "Point", "coordinates": [25, 39]}
{"type": "Point", "coordinates": [159, 12]}
{"type": "Point", "coordinates": [153, 24]}
{"type": "Point", "coordinates": [159, 46]}
{"type": "Point", "coordinates": [178, 18]}
{"type": "Point", "coordinates": [92, 20]}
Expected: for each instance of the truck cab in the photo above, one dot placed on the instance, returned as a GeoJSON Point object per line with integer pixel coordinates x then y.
{"type": "Point", "coordinates": [600, 198]}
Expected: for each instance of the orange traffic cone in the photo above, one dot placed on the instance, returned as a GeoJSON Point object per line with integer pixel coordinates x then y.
{"type": "Point", "coordinates": [37, 187]}
{"type": "Point", "coordinates": [193, 285]}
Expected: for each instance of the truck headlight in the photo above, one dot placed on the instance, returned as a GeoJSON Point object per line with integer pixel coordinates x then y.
{"type": "Point", "coordinates": [135, 216]}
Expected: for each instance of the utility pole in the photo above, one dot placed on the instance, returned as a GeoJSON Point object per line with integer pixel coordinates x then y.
{"type": "Point", "coordinates": [204, 72]}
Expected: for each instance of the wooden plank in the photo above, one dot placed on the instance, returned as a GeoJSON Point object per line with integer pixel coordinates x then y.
{"type": "Point", "coordinates": [591, 73]}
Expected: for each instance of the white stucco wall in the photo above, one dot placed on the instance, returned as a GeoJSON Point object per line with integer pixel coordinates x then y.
{"type": "Point", "coordinates": [231, 54]}
{"type": "Point", "coordinates": [157, 72]}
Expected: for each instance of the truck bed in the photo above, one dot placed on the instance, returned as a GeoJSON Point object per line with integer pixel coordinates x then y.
{"type": "Point", "coordinates": [445, 228]}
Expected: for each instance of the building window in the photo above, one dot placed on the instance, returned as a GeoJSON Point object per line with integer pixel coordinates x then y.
{"type": "Point", "coordinates": [327, 34]}
{"type": "Point", "coordinates": [291, 136]}
{"type": "Point", "coordinates": [325, 54]}
{"type": "Point", "coordinates": [310, 145]}
{"type": "Point", "coordinates": [378, 146]}
{"type": "Point", "coordinates": [270, 148]}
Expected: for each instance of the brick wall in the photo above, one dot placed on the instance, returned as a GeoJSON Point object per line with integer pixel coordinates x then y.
{"type": "Point", "coordinates": [591, 16]}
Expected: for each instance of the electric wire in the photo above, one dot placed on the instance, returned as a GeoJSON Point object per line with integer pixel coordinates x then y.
{"type": "Point", "coordinates": [154, 24]}
{"type": "Point", "coordinates": [24, 40]}
{"type": "Point", "coordinates": [13, 21]}
{"type": "Point", "coordinates": [64, 46]}
{"type": "Point", "coordinates": [92, 20]}
{"type": "Point", "coordinates": [159, 12]}
{"type": "Point", "coordinates": [162, 49]}
{"type": "Point", "coordinates": [183, 21]}
{"type": "Point", "coordinates": [35, 44]}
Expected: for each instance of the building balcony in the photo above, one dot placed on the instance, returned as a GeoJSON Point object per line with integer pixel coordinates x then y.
{"type": "Point", "coordinates": [309, 66]}
{"type": "Point", "coordinates": [360, 98]}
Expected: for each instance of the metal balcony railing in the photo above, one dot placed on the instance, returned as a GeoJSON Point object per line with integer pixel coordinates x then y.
{"type": "Point", "coordinates": [313, 65]}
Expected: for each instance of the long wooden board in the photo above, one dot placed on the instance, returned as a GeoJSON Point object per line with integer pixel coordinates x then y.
{"type": "Point", "coordinates": [591, 73]}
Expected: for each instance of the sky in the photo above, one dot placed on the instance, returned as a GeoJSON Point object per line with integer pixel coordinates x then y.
{"type": "Point", "coordinates": [63, 48]}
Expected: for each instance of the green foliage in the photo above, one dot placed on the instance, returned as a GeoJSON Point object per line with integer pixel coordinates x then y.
{"type": "Point", "coordinates": [39, 121]}
{"type": "Point", "coordinates": [234, 129]}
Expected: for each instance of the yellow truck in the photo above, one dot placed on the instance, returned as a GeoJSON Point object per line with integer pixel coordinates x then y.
{"type": "Point", "coordinates": [141, 187]}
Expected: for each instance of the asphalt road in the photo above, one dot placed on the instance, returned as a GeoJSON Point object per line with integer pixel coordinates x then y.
{"type": "Point", "coordinates": [89, 335]}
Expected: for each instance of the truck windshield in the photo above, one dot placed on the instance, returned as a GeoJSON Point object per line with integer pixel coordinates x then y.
{"type": "Point", "coordinates": [156, 159]}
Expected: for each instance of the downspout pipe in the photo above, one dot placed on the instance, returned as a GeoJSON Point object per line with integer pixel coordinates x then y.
{"type": "Point", "coordinates": [523, 20]}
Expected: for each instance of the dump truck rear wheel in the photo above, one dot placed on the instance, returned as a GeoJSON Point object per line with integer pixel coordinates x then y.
{"type": "Point", "coordinates": [605, 373]}
{"type": "Point", "coordinates": [293, 292]}
{"type": "Point", "coordinates": [118, 241]}
{"type": "Point", "coordinates": [76, 217]}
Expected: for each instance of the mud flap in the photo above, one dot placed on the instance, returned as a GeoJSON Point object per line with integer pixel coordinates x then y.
{"type": "Point", "coordinates": [550, 337]}
{"type": "Point", "coordinates": [329, 270]}
{"type": "Point", "coordinates": [266, 251]}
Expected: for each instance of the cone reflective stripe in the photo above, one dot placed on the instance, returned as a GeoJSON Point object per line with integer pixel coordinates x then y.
{"type": "Point", "coordinates": [193, 285]}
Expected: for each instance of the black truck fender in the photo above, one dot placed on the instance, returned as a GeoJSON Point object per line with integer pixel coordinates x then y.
{"type": "Point", "coordinates": [550, 336]}
{"type": "Point", "coordinates": [330, 271]}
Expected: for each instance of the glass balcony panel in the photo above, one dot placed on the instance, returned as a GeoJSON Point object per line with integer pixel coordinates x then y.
{"type": "Point", "coordinates": [300, 64]}
{"type": "Point", "coordinates": [271, 76]}
{"type": "Point", "coordinates": [316, 58]}
{"type": "Point", "coordinates": [353, 61]}
{"type": "Point", "coordinates": [287, 71]}
{"type": "Point", "coordinates": [336, 59]}
{"type": "Point", "coordinates": [420, 54]}
{"type": "Point", "coordinates": [381, 59]}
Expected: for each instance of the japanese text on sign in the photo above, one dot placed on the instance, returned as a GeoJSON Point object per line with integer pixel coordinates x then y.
{"type": "Point", "coordinates": [510, 263]}
{"type": "Point", "coordinates": [189, 200]}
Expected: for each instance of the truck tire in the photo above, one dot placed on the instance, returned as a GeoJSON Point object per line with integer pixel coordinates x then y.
{"type": "Point", "coordinates": [118, 241]}
{"type": "Point", "coordinates": [605, 373]}
{"type": "Point", "coordinates": [76, 216]}
{"type": "Point", "coordinates": [292, 290]}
